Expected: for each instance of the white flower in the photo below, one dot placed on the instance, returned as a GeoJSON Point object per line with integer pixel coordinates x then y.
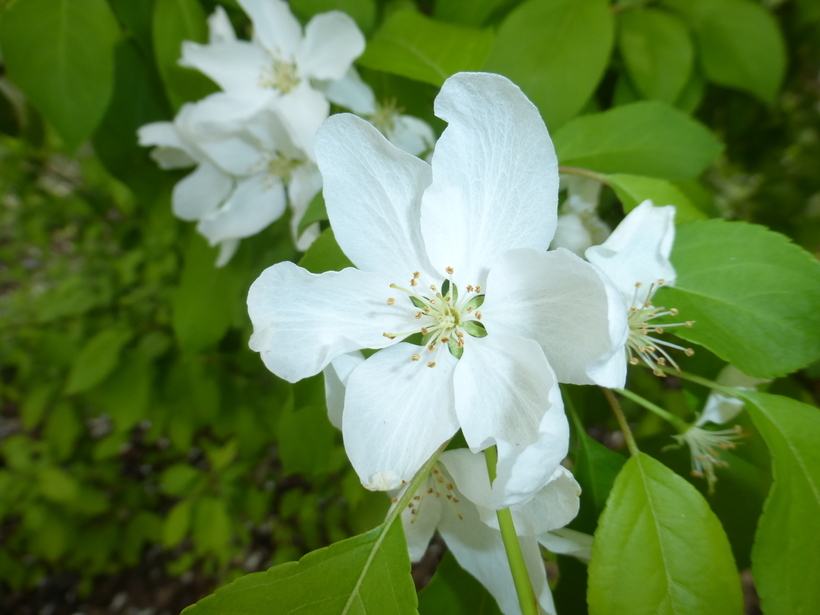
{"type": "Point", "coordinates": [432, 244]}
{"type": "Point", "coordinates": [450, 501]}
{"type": "Point", "coordinates": [635, 258]}
{"type": "Point", "coordinates": [239, 185]}
{"type": "Point", "coordinates": [579, 226]}
{"type": "Point", "coordinates": [721, 408]}
{"type": "Point", "coordinates": [283, 68]}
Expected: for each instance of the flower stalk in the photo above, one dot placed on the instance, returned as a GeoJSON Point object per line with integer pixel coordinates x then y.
{"type": "Point", "coordinates": [518, 567]}
{"type": "Point", "coordinates": [619, 415]}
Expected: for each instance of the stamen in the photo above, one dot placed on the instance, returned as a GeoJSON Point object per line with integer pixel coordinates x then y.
{"type": "Point", "coordinates": [391, 301]}
{"type": "Point", "coordinates": [449, 270]}
{"type": "Point", "coordinates": [416, 357]}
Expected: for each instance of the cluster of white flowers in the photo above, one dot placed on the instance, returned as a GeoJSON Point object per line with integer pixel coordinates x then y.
{"type": "Point", "coordinates": [252, 142]}
{"type": "Point", "coordinates": [475, 321]}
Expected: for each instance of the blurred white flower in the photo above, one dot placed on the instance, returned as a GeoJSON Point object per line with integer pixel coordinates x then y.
{"type": "Point", "coordinates": [283, 69]}
{"type": "Point", "coordinates": [579, 226]}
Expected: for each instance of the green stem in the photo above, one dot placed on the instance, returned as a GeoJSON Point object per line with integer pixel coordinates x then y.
{"type": "Point", "coordinates": [402, 502]}
{"type": "Point", "coordinates": [677, 422]}
{"type": "Point", "coordinates": [706, 383]}
{"type": "Point", "coordinates": [518, 567]}
{"type": "Point", "coordinates": [584, 173]}
{"type": "Point", "coordinates": [619, 414]}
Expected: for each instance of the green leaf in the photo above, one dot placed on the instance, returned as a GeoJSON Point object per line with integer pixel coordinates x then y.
{"type": "Point", "coordinates": [204, 302]}
{"type": "Point", "coordinates": [34, 405]}
{"type": "Point", "coordinates": [305, 440]}
{"type": "Point", "coordinates": [315, 212]}
{"type": "Point", "coordinates": [657, 51]}
{"type": "Point", "coordinates": [784, 557]}
{"type": "Point", "coordinates": [632, 190]}
{"type": "Point", "coordinates": [454, 591]}
{"type": "Point", "coordinates": [596, 468]}
{"type": "Point", "coordinates": [362, 11]}
{"type": "Point", "coordinates": [181, 479]}
{"type": "Point", "coordinates": [211, 526]}
{"type": "Point", "coordinates": [126, 393]}
{"type": "Point", "coordinates": [692, 94]}
{"type": "Point", "coordinates": [739, 43]}
{"type": "Point", "coordinates": [62, 430]}
{"type": "Point", "coordinates": [61, 54]}
{"type": "Point", "coordinates": [752, 294]}
{"type": "Point", "coordinates": [473, 13]}
{"type": "Point", "coordinates": [176, 21]}
{"type": "Point", "coordinates": [367, 574]}
{"type": "Point", "coordinates": [556, 51]}
{"type": "Point", "coordinates": [324, 254]}
{"type": "Point", "coordinates": [660, 549]}
{"type": "Point", "coordinates": [96, 360]}
{"type": "Point", "coordinates": [644, 138]}
{"type": "Point", "coordinates": [177, 523]}
{"type": "Point", "coordinates": [138, 99]}
{"type": "Point", "coordinates": [412, 45]}
{"type": "Point", "coordinates": [57, 485]}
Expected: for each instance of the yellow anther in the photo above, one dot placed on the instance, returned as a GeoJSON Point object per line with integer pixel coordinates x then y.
{"type": "Point", "coordinates": [391, 301]}
{"type": "Point", "coordinates": [425, 330]}
{"type": "Point", "coordinates": [416, 357]}
{"type": "Point", "coordinates": [432, 347]}
{"type": "Point", "coordinates": [394, 500]}
{"type": "Point", "coordinates": [433, 287]}
{"type": "Point", "coordinates": [673, 312]}
{"type": "Point", "coordinates": [445, 339]}
{"type": "Point", "coordinates": [431, 364]}
{"type": "Point", "coordinates": [455, 500]}
{"type": "Point", "coordinates": [430, 490]}
{"type": "Point", "coordinates": [469, 288]}
{"type": "Point", "coordinates": [389, 336]}
{"type": "Point", "coordinates": [413, 283]}
{"type": "Point", "coordinates": [418, 315]}
{"type": "Point", "coordinates": [416, 275]}
{"type": "Point", "coordinates": [688, 352]}
{"type": "Point", "coordinates": [416, 497]}
{"type": "Point", "coordinates": [638, 284]}
{"type": "Point", "coordinates": [449, 270]}
{"type": "Point", "coordinates": [478, 315]}
{"type": "Point", "coordinates": [469, 308]}
{"type": "Point", "coordinates": [449, 486]}
{"type": "Point", "coordinates": [478, 290]}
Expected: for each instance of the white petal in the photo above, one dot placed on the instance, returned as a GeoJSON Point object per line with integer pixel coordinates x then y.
{"type": "Point", "coordinates": [479, 549]}
{"type": "Point", "coordinates": [556, 299]}
{"type": "Point", "coordinates": [571, 234]}
{"type": "Point", "coordinates": [412, 135]}
{"type": "Point", "coordinates": [227, 249]}
{"type": "Point", "coordinates": [373, 194]}
{"type": "Point", "coordinates": [502, 385]}
{"type": "Point", "coordinates": [302, 321]}
{"type": "Point", "coordinates": [305, 183]}
{"type": "Point", "coordinates": [171, 152]}
{"type": "Point", "coordinates": [200, 192]}
{"type": "Point", "coordinates": [257, 201]}
{"type": "Point", "coordinates": [421, 520]}
{"type": "Point", "coordinates": [235, 66]}
{"type": "Point", "coordinates": [336, 374]}
{"type": "Point", "coordinates": [495, 177]}
{"type": "Point", "coordinates": [332, 41]}
{"type": "Point", "coordinates": [552, 507]}
{"type": "Point", "coordinates": [638, 249]}
{"type": "Point", "coordinates": [568, 542]}
{"type": "Point", "coordinates": [308, 236]}
{"type": "Point", "coordinates": [397, 413]}
{"type": "Point", "coordinates": [582, 194]}
{"type": "Point", "coordinates": [220, 29]}
{"type": "Point", "coordinates": [610, 370]}
{"type": "Point", "coordinates": [274, 26]}
{"type": "Point", "coordinates": [350, 92]}
{"type": "Point", "coordinates": [303, 110]}
{"type": "Point", "coordinates": [722, 408]}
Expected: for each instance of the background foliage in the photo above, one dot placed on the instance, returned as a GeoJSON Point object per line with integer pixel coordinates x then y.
{"type": "Point", "coordinates": [136, 424]}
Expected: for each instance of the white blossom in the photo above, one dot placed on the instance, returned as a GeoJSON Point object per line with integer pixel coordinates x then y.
{"type": "Point", "coordinates": [454, 252]}
{"type": "Point", "coordinates": [579, 226]}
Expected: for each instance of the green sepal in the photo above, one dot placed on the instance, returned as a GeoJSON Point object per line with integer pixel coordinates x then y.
{"type": "Point", "coordinates": [455, 349]}
{"type": "Point", "coordinates": [475, 328]}
{"type": "Point", "coordinates": [475, 303]}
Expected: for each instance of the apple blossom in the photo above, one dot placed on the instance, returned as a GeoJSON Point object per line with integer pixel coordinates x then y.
{"type": "Point", "coordinates": [455, 252]}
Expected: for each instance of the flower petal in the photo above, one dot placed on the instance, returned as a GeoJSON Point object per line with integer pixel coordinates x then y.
{"type": "Point", "coordinates": [397, 413]}
{"type": "Point", "coordinates": [571, 234]}
{"type": "Point", "coordinates": [305, 183]}
{"type": "Point", "coordinates": [200, 192]}
{"type": "Point", "coordinates": [332, 41]}
{"type": "Point", "coordinates": [171, 152]}
{"type": "Point", "coordinates": [256, 202]}
{"type": "Point", "coordinates": [336, 375]}
{"type": "Point", "coordinates": [421, 519]}
{"type": "Point", "coordinates": [479, 549]}
{"type": "Point", "coordinates": [412, 135]}
{"type": "Point", "coordinates": [722, 408]}
{"type": "Point", "coordinates": [302, 321]}
{"type": "Point", "coordinates": [274, 26]}
{"type": "Point", "coordinates": [303, 110]}
{"type": "Point", "coordinates": [552, 506]}
{"type": "Point", "coordinates": [350, 92]}
{"type": "Point", "coordinates": [610, 370]}
{"type": "Point", "coordinates": [557, 300]}
{"type": "Point", "coordinates": [568, 542]}
{"type": "Point", "coordinates": [638, 249]}
{"type": "Point", "coordinates": [373, 194]}
{"type": "Point", "coordinates": [502, 385]}
{"type": "Point", "coordinates": [495, 177]}
{"type": "Point", "coordinates": [235, 66]}
{"type": "Point", "coordinates": [220, 29]}
{"type": "Point", "coordinates": [227, 249]}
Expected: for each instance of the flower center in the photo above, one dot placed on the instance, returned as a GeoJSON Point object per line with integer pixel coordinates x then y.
{"type": "Point", "coordinates": [280, 75]}
{"type": "Point", "coordinates": [705, 446]}
{"type": "Point", "coordinates": [384, 119]}
{"type": "Point", "coordinates": [444, 315]}
{"type": "Point", "coordinates": [437, 485]}
{"type": "Point", "coordinates": [641, 344]}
